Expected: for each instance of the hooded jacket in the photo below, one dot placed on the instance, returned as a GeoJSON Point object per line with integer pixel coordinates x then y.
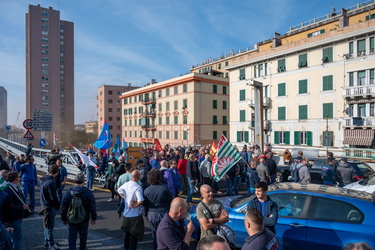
{"type": "Point", "coordinates": [87, 198]}
{"type": "Point", "coordinates": [345, 173]}
{"type": "Point", "coordinates": [272, 208]}
{"type": "Point", "coordinates": [48, 194]}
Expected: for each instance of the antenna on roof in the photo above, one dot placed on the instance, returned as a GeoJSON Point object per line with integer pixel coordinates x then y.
{"type": "Point", "coordinates": [333, 10]}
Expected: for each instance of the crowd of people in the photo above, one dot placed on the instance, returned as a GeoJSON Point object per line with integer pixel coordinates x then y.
{"type": "Point", "coordinates": [154, 187]}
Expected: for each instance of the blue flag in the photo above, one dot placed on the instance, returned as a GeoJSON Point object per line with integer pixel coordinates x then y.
{"type": "Point", "coordinates": [116, 148]}
{"type": "Point", "coordinates": [124, 145]}
{"type": "Point", "coordinates": [104, 139]}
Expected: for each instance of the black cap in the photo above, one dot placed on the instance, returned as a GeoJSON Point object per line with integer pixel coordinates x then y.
{"type": "Point", "coordinates": [139, 161]}
{"type": "Point", "coordinates": [344, 159]}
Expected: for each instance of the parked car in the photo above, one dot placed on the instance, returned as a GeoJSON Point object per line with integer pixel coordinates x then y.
{"type": "Point", "coordinates": [367, 185]}
{"type": "Point", "coordinates": [311, 216]}
{"type": "Point", "coordinates": [361, 170]}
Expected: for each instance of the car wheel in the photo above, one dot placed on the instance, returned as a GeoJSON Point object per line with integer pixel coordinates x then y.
{"type": "Point", "coordinates": [279, 177]}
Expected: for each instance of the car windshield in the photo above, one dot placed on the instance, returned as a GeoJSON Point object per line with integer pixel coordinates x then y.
{"type": "Point", "coordinates": [368, 182]}
{"type": "Point", "coordinates": [364, 168]}
{"type": "Point", "coordinates": [238, 202]}
{"type": "Point", "coordinates": [317, 163]}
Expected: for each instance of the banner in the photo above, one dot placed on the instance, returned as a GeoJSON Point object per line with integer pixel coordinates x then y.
{"type": "Point", "coordinates": [3, 184]}
{"type": "Point", "coordinates": [85, 159]}
{"type": "Point", "coordinates": [213, 149]}
{"type": "Point", "coordinates": [104, 139]}
{"type": "Point", "coordinates": [116, 148]}
{"type": "Point", "coordinates": [158, 145]}
{"type": "Point", "coordinates": [124, 144]}
{"type": "Point", "coordinates": [226, 157]}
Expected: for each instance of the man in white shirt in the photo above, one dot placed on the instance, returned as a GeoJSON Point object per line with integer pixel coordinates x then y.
{"type": "Point", "coordinates": [132, 221]}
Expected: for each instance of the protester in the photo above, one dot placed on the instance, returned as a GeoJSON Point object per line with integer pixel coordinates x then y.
{"type": "Point", "coordinates": [358, 246]}
{"type": "Point", "coordinates": [112, 179]}
{"type": "Point", "coordinates": [263, 172]}
{"type": "Point", "coordinates": [29, 180]}
{"type": "Point", "coordinates": [181, 167]}
{"type": "Point", "coordinates": [60, 178]}
{"type": "Point", "coordinates": [6, 213]}
{"type": "Point", "coordinates": [252, 176]}
{"type": "Point", "coordinates": [175, 177]}
{"type": "Point", "coordinates": [265, 205]}
{"type": "Point", "coordinates": [345, 173]}
{"type": "Point", "coordinates": [259, 237]}
{"type": "Point", "coordinates": [328, 173]}
{"type": "Point", "coordinates": [210, 212]}
{"type": "Point", "coordinates": [172, 233]}
{"type": "Point", "coordinates": [89, 205]}
{"type": "Point", "coordinates": [10, 159]}
{"type": "Point", "coordinates": [132, 220]}
{"type": "Point", "coordinates": [50, 204]}
{"type": "Point", "coordinates": [143, 169]}
{"type": "Point", "coordinates": [303, 171]}
{"type": "Point", "coordinates": [90, 172]}
{"type": "Point", "coordinates": [29, 148]}
{"type": "Point", "coordinates": [211, 242]}
{"type": "Point", "coordinates": [20, 160]}
{"type": "Point", "coordinates": [272, 166]}
{"type": "Point", "coordinates": [232, 180]}
{"type": "Point", "coordinates": [3, 164]}
{"type": "Point", "coordinates": [205, 170]}
{"type": "Point", "coordinates": [287, 157]}
{"type": "Point", "coordinates": [191, 172]}
{"type": "Point", "coordinates": [157, 201]}
{"type": "Point", "coordinates": [167, 176]}
{"type": "Point", "coordinates": [126, 176]}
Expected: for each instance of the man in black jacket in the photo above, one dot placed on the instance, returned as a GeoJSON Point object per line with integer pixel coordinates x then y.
{"type": "Point", "coordinates": [88, 201]}
{"type": "Point", "coordinates": [50, 204]}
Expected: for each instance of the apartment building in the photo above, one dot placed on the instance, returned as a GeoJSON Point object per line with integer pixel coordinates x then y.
{"type": "Point", "coordinates": [3, 107]}
{"type": "Point", "coordinates": [49, 73]}
{"type": "Point", "coordinates": [109, 109]}
{"type": "Point", "coordinates": [318, 83]}
{"type": "Point", "coordinates": [187, 110]}
{"type": "Point", "coordinates": [91, 127]}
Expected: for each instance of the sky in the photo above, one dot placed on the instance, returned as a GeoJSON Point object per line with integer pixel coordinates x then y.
{"type": "Point", "coordinates": [133, 41]}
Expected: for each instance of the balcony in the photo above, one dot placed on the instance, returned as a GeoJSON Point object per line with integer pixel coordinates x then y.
{"type": "Point", "coordinates": [148, 100]}
{"type": "Point", "coordinates": [364, 91]}
{"type": "Point", "coordinates": [148, 127]}
{"type": "Point", "coordinates": [148, 114]}
{"type": "Point", "coordinates": [266, 102]}
{"type": "Point", "coordinates": [356, 122]}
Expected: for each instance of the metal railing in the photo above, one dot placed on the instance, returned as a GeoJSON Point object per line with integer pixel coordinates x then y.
{"type": "Point", "coordinates": [359, 90]}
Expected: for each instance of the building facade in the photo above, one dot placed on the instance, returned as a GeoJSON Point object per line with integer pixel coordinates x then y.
{"type": "Point", "coordinates": [187, 110]}
{"type": "Point", "coordinates": [3, 107]}
{"type": "Point", "coordinates": [109, 108]}
{"type": "Point", "coordinates": [318, 83]}
{"type": "Point", "coordinates": [91, 127]}
{"type": "Point", "coordinates": [50, 72]}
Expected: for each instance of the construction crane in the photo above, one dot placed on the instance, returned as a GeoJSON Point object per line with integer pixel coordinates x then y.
{"type": "Point", "coordinates": [18, 117]}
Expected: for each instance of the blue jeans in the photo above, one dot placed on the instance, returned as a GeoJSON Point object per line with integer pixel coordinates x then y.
{"type": "Point", "coordinates": [17, 234]}
{"type": "Point", "coordinates": [230, 185]}
{"type": "Point", "coordinates": [82, 230]}
{"type": "Point", "coordinates": [49, 224]}
{"type": "Point", "coordinates": [28, 188]}
{"type": "Point", "coordinates": [90, 174]}
{"type": "Point", "coordinates": [190, 191]}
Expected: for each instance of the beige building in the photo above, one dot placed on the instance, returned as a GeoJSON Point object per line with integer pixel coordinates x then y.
{"type": "Point", "coordinates": [318, 82]}
{"type": "Point", "coordinates": [109, 108]}
{"type": "Point", "coordinates": [50, 73]}
{"type": "Point", "coordinates": [91, 127]}
{"type": "Point", "coordinates": [187, 110]}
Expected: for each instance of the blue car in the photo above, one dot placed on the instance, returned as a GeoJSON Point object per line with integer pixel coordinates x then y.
{"type": "Point", "coordinates": [311, 216]}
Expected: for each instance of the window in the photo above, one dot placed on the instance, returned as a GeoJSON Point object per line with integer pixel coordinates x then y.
{"type": "Point", "coordinates": [302, 61]}
{"type": "Point", "coordinates": [214, 135]}
{"type": "Point", "coordinates": [226, 75]}
{"type": "Point", "coordinates": [327, 55]}
{"type": "Point", "coordinates": [110, 109]}
{"type": "Point", "coordinates": [175, 135]}
{"type": "Point", "coordinates": [44, 59]}
{"type": "Point", "coordinates": [371, 44]}
{"type": "Point", "coordinates": [242, 94]}
{"type": "Point", "coordinates": [118, 119]}
{"type": "Point", "coordinates": [184, 103]}
{"type": "Point", "coordinates": [214, 119]}
{"type": "Point", "coordinates": [167, 120]}
{"type": "Point", "coordinates": [110, 92]}
{"type": "Point", "coordinates": [219, 66]}
{"type": "Point", "coordinates": [303, 138]}
{"type": "Point", "coordinates": [361, 47]}
{"type": "Point", "coordinates": [351, 79]}
{"type": "Point", "coordinates": [160, 106]}
{"type": "Point", "coordinates": [175, 90]}
{"type": "Point", "coordinates": [302, 86]}
{"type": "Point", "coordinates": [166, 134]}
{"type": "Point", "coordinates": [351, 49]}
{"type": "Point", "coordinates": [336, 210]}
{"type": "Point", "coordinates": [167, 92]}
{"type": "Point", "coordinates": [160, 135]}
{"type": "Point", "coordinates": [44, 33]}
{"type": "Point", "coordinates": [327, 139]}
{"type": "Point", "coordinates": [185, 135]}
{"type": "Point", "coordinates": [225, 119]}
{"type": "Point", "coordinates": [224, 104]}
{"type": "Point", "coordinates": [302, 112]}
{"type": "Point", "coordinates": [167, 106]}
{"type": "Point", "coordinates": [281, 113]}
{"type": "Point", "coordinates": [242, 136]}
{"type": "Point", "coordinates": [281, 90]}
{"type": "Point", "coordinates": [327, 110]}
{"type": "Point", "coordinates": [327, 83]}
{"type": "Point", "coordinates": [242, 74]}
{"type": "Point", "coordinates": [160, 120]}
{"type": "Point", "coordinates": [224, 90]}
{"type": "Point", "coordinates": [175, 104]}
{"type": "Point", "coordinates": [281, 65]}
{"type": "Point", "coordinates": [110, 100]}
{"type": "Point", "coordinates": [44, 26]}
{"type": "Point", "coordinates": [184, 88]}
{"type": "Point", "coordinates": [175, 119]}
{"type": "Point", "coordinates": [45, 46]}
{"type": "Point", "coordinates": [44, 85]}
{"type": "Point", "coordinates": [125, 100]}
{"type": "Point", "coordinates": [361, 78]}
{"type": "Point", "coordinates": [226, 63]}
{"type": "Point", "coordinates": [290, 205]}
{"type": "Point", "coordinates": [225, 133]}
{"type": "Point", "coordinates": [282, 137]}
{"type": "Point", "coordinates": [372, 109]}
{"type": "Point", "coordinates": [214, 88]}
{"type": "Point", "coordinates": [44, 90]}
{"type": "Point", "coordinates": [110, 118]}
{"type": "Point", "coordinates": [184, 119]}
{"type": "Point", "coordinates": [44, 52]}
{"type": "Point", "coordinates": [361, 110]}
{"type": "Point", "coordinates": [242, 115]}
{"type": "Point", "coordinates": [44, 20]}
{"type": "Point", "coordinates": [371, 76]}
{"type": "Point", "coordinates": [260, 70]}
{"type": "Point", "coordinates": [44, 65]}
{"type": "Point", "coordinates": [214, 104]}
{"type": "Point", "coordinates": [44, 72]}
{"type": "Point", "coordinates": [369, 17]}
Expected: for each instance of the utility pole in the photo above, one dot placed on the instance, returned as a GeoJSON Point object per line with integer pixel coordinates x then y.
{"type": "Point", "coordinates": [327, 136]}
{"type": "Point", "coordinates": [258, 112]}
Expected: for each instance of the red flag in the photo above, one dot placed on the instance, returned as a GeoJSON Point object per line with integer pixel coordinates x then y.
{"type": "Point", "coordinates": [213, 149]}
{"type": "Point", "coordinates": [158, 145]}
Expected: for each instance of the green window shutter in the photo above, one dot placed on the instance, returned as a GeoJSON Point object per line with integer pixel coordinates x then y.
{"type": "Point", "coordinates": [226, 63]}
{"type": "Point", "coordinates": [214, 135]}
{"type": "Point", "coordinates": [309, 138]}
{"type": "Point", "coordinates": [351, 48]}
{"type": "Point", "coordinates": [327, 110]}
{"type": "Point", "coordinates": [167, 106]}
{"type": "Point", "coordinates": [176, 120]}
{"type": "Point", "coordinates": [322, 31]}
{"type": "Point", "coordinates": [214, 88]}
{"type": "Point", "coordinates": [361, 46]}
{"type": "Point", "coordinates": [302, 110]}
{"type": "Point", "coordinates": [184, 88]}
{"type": "Point", "coordinates": [185, 135]}
{"type": "Point", "coordinates": [226, 74]}
{"type": "Point", "coordinates": [309, 35]}
{"type": "Point", "coordinates": [371, 75]}
{"type": "Point", "coordinates": [238, 136]}
{"type": "Point", "coordinates": [225, 133]}
{"type": "Point", "coordinates": [219, 66]}
{"type": "Point", "coordinates": [185, 119]}
{"type": "Point", "coordinates": [224, 90]}
{"type": "Point", "coordinates": [175, 104]}
{"type": "Point", "coordinates": [327, 83]}
{"type": "Point", "coordinates": [224, 104]}
{"type": "Point", "coordinates": [281, 65]}
{"type": "Point", "coordinates": [184, 103]}
{"type": "Point", "coordinates": [327, 54]}
{"type": "Point", "coordinates": [287, 137]}
{"type": "Point", "coordinates": [167, 120]}
{"type": "Point", "coordinates": [246, 136]}
{"type": "Point", "coordinates": [302, 60]}
{"type": "Point", "coordinates": [214, 104]}
{"type": "Point", "coordinates": [242, 115]}
{"type": "Point", "coordinates": [214, 119]}
{"type": "Point", "coordinates": [242, 95]}
{"type": "Point", "coordinates": [281, 89]}
{"type": "Point", "coordinates": [281, 113]}
{"type": "Point", "coordinates": [160, 120]}
{"type": "Point", "coordinates": [242, 74]}
{"type": "Point", "coordinates": [296, 138]}
{"type": "Point", "coordinates": [225, 119]}
{"type": "Point", "coordinates": [302, 84]}
{"type": "Point", "coordinates": [276, 137]}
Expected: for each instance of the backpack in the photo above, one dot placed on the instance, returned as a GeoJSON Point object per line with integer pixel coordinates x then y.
{"type": "Point", "coordinates": [295, 172]}
{"type": "Point", "coordinates": [76, 211]}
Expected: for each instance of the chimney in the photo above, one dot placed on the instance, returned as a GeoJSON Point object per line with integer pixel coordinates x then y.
{"type": "Point", "coordinates": [344, 20]}
{"type": "Point", "coordinates": [153, 81]}
{"type": "Point", "coordinates": [276, 41]}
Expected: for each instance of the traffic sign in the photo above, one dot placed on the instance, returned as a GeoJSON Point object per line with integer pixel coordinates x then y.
{"type": "Point", "coordinates": [42, 120]}
{"type": "Point", "coordinates": [28, 135]}
{"type": "Point", "coordinates": [28, 124]}
{"type": "Point", "coordinates": [8, 128]}
{"type": "Point", "coordinates": [42, 143]}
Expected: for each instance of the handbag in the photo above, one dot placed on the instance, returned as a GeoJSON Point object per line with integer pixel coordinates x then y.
{"type": "Point", "coordinates": [224, 231]}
